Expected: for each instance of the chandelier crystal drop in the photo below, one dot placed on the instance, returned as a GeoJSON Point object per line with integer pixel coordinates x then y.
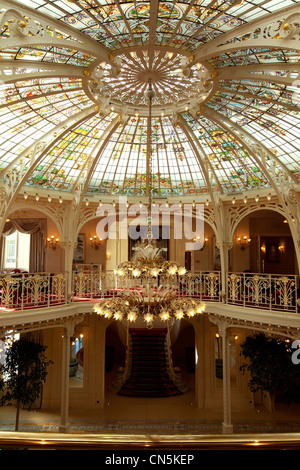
{"type": "Point", "coordinates": [151, 285]}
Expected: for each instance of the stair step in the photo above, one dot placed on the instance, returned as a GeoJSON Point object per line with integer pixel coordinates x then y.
{"type": "Point", "coordinates": [148, 372]}
{"type": "Point", "coordinates": [147, 393]}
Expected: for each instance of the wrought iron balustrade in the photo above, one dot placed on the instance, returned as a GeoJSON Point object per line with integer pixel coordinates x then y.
{"type": "Point", "coordinates": [89, 286]}
{"type": "Point", "coordinates": [266, 291]}
{"type": "Point", "coordinates": [21, 291]}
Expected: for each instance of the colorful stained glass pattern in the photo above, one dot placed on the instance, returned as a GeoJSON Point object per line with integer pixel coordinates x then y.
{"type": "Point", "coordinates": [180, 24]}
{"type": "Point", "coordinates": [121, 167]}
{"type": "Point", "coordinates": [75, 85]}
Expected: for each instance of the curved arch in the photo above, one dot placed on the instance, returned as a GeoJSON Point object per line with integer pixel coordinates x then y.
{"type": "Point", "coordinates": [19, 206]}
{"type": "Point", "coordinates": [248, 141]}
{"type": "Point", "coordinates": [226, 41]}
{"type": "Point", "coordinates": [90, 214]}
{"type": "Point", "coordinates": [251, 210]}
{"type": "Point", "coordinates": [79, 39]}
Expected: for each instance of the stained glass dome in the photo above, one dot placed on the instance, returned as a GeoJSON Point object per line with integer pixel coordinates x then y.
{"type": "Point", "coordinates": [74, 116]}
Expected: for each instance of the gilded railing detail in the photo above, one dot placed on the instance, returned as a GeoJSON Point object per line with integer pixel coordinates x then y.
{"type": "Point", "coordinates": [29, 290]}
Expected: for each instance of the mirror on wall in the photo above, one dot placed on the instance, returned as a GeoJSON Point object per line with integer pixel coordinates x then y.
{"type": "Point", "coordinates": [233, 357]}
{"type": "Point", "coordinates": [76, 370]}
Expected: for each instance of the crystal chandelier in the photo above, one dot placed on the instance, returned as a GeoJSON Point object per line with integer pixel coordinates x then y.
{"type": "Point", "coordinates": [151, 286]}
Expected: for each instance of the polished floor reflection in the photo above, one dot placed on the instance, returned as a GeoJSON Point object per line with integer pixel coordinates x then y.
{"type": "Point", "coordinates": [171, 415]}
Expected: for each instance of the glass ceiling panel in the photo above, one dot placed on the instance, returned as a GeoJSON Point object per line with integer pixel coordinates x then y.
{"type": "Point", "coordinates": [123, 23]}
{"type": "Point", "coordinates": [122, 165]}
{"type": "Point", "coordinates": [65, 166]}
{"type": "Point", "coordinates": [149, 40]}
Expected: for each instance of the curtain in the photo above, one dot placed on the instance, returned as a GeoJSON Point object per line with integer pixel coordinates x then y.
{"type": "Point", "coordinates": [37, 229]}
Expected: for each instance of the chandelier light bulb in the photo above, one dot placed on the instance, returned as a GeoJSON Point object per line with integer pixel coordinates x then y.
{"type": "Point", "coordinates": [132, 316]}
{"type": "Point", "coordinates": [172, 270]}
{"type": "Point", "coordinates": [118, 315]}
{"type": "Point", "coordinates": [136, 272]}
{"type": "Point", "coordinates": [179, 314]}
{"type": "Point", "coordinates": [148, 318]}
{"type": "Point", "coordinates": [98, 309]}
{"type": "Point", "coordinates": [164, 316]}
{"type": "Point", "coordinates": [107, 314]}
{"type": "Point", "coordinates": [181, 271]}
{"type": "Point", "coordinates": [191, 313]}
{"type": "Point", "coordinates": [154, 272]}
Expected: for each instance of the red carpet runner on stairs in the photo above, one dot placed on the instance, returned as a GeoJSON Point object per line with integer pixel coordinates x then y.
{"type": "Point", "coordinates": [149, 375]}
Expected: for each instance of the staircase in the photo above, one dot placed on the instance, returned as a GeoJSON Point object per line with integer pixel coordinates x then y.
{"type": "Point", "coordinates": [149, 371]}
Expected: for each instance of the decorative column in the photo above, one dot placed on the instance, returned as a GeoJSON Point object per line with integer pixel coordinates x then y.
{"type": "Point", "coordinates": [291, 199]}
{"type": "Point", "coordinates": [227, 427]}
{"type": "Point", "coordinates": [199, 328]}
{"type": "Point", "coordinates": [64, 414]}
{"type": "Point", "coordinates": [224, 243]}
{"type": "Point", "coordinates": [116, 248]}
{"type": "Point", "coordinates": [69, 253]}
{"type": "Point", "coordinates": [70, 229]}
{"type": "Point", "coordinates": [68, 327]}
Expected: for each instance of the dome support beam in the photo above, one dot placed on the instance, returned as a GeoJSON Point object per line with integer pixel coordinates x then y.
{"type": "Point", "coordinates": [245, 138]}
{"type": "Point", "coordinates": [247, 72]}
{"type": "Point", "coordinates": [228, 91]}
{"type": "Point", "coordinates": [82, 188]}
{"type": "Point", "coordinates": [17, 164]}
{"type": "Point", "coordinates": [43, 70]}
{"type": "Point", "coordinates": [260, 33]}
{"type": "Point", "coordinates": [15, 177]}
{"type": "Point", "coordinates": [281, 189]}
{"type": "Point", "coordinates": [40, 25]}
{"type": "Point", "coordinates": [220, 221]}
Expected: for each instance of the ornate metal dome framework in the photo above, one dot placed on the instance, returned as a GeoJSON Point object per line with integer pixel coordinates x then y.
{"type": "Point", "coordinates": [74, 117]}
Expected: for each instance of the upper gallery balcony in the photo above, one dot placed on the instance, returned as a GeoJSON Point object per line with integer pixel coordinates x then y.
{"type": "Point", "coordinates": [269, 292]}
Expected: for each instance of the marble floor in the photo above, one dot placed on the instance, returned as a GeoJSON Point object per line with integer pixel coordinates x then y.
{"type": "Point", "coordinates": [164, 415]}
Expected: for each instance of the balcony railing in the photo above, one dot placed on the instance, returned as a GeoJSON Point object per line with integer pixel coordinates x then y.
{"type": "Point", "coordinates": [21, 291]}
{"type": "Point", "coordinates": [266, 291]}
{"type": "Point", "coordinates": [94, 286]}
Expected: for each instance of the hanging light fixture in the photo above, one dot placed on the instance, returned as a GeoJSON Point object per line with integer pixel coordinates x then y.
{"type": "Point", "coordinates": [149, 283]}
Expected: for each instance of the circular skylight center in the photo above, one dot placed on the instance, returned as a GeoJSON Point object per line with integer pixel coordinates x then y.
{"type": "Point", "coordinates": [179, 85]}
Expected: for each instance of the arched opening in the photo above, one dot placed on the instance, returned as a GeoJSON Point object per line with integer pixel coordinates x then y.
{"type": "Point", "coordinates": [115, 357]}
{"type": "Point", "coordinates": [184, 354]}
{"type": "Point", "coordinates": [263, 243]}
{"type": "Point", "coordinates": [31, 254]}
{"type": "Point", "coordinates": [90, 252]}
{"type": "Point", "coordinates": [206, 258]}
{"type": "Point", "coordinates": [44, 251]}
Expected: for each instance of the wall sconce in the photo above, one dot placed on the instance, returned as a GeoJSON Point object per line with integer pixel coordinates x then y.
{"type": "Point", "coordinates": [244, 242]}
{"type": "Point", "coordinates": [95, 242]}
{"type": "Point", "coordinates": [52, 242]}
{"type": "Point", "coordinates": [108, 255]}
{"type": "Point", "coordinates": [205, 240]}
{"type": "Point", "coordinates": [281, 249]}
